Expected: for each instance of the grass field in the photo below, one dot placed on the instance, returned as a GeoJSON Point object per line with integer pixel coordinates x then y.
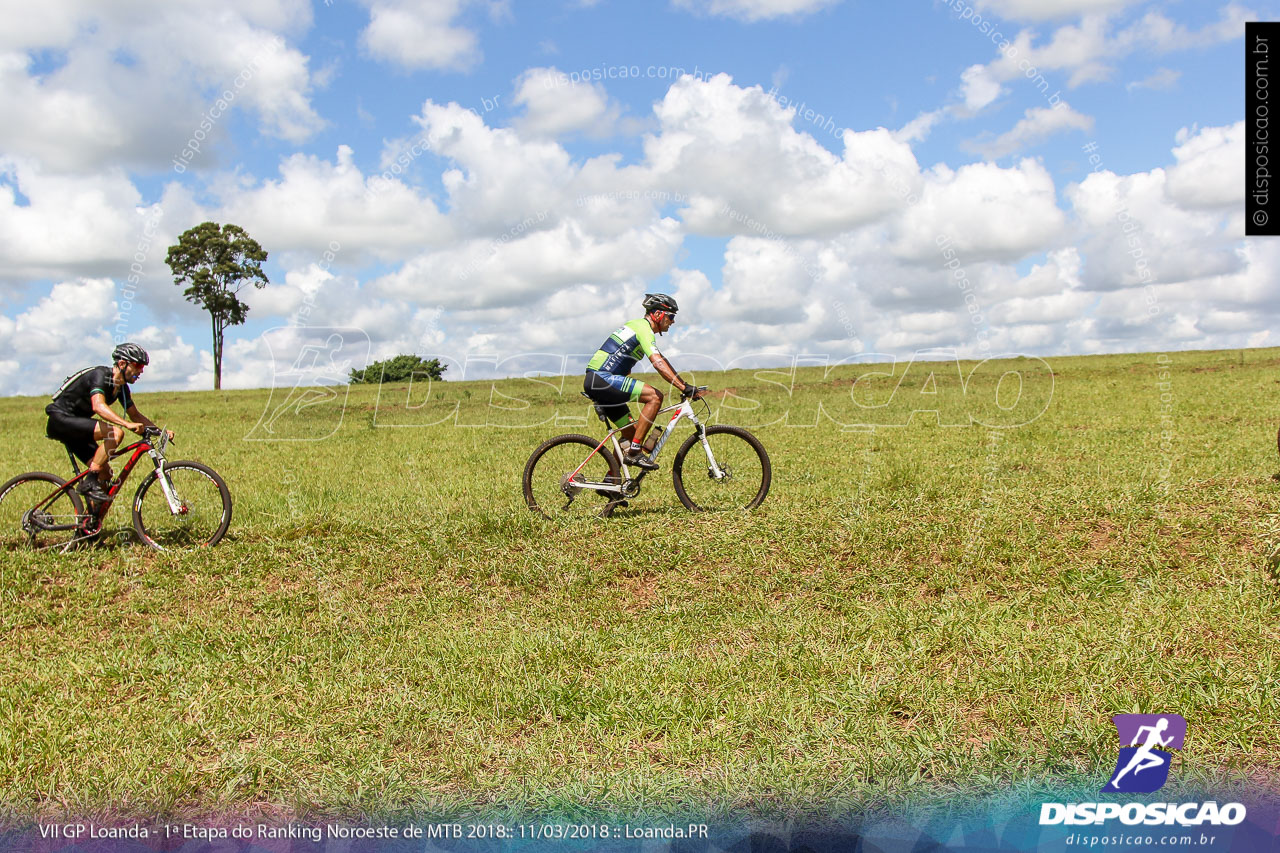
{"type": "Point", "coordinates": [916, 609]}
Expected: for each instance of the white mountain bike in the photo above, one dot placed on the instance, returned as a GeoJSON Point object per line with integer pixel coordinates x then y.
{"type": "Point", "coordinates": [717, 468]}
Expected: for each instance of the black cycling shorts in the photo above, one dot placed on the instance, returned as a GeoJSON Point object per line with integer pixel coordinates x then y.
{"type": "Point", "coordinates": [606, 391]}
{"type": "Point", "coordinates": [75, 433]}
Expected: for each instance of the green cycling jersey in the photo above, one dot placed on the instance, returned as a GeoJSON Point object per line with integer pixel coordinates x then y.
{"type": "Point", "coordinates": [626, 346]}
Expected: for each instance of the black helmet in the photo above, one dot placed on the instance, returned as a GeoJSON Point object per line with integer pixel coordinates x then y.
{"type": "Point", "coordinates": [659, 302]}
{"type": "Point", "coordinates": [130, 352]}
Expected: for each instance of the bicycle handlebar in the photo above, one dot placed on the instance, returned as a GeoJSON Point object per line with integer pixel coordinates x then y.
{"type": "Point", "coordinates": [150, 432]}
{"type": "Point", "coordinates": [692, 390]}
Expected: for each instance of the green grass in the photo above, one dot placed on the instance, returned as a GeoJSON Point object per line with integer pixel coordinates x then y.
{"type": "Point", "coordinates": [916, 608]}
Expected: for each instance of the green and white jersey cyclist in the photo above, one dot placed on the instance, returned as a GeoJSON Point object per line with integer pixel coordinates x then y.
{"type": "Point", "coordinates": [609, 384]}
{"type": "Point", "coordinates": [89, 394]}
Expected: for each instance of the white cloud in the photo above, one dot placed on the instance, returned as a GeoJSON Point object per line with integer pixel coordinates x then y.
{"type": "Point", "coordinates": [1052, 309]}
{"type": "Point", "coordinates": [979, 87]}
{"type": "Point", "coordinates": [262, 72]}
{"type": "Point", "coordinates": [69, 225]}
{"type": "Point", "coordinates": [712, 133]}
{"type": "Point", "coordinates": [1216, 321]}
{"type": "Point", "coordinates": [1156, 31]}
{"type": "Point", "coordinates": [1210, 167]}
{"type": "Point", "coordinates": [1039, 10]}
{"type": "Point", "coordinates": [1162, 78]}
{"type": "Point", "coordinates": [173, 362]}
{"type": "Point", "coordinates": [71, 327]}
{"type": "Point", "coordinates": [511, 273]}
{"type": "Point", "coordinates": [499, 178]}
{"type": "Point", "coordinates": [1250, 286]}
{"type": "Point", "coordinates": [301, 288]}
{"type": "Point", "coordinates": [316, 203]}
{"type": "Point", "coordinates": [555, 105]}
{"type": "Point", "coordinates": [72, 310]}
{"type": "Point", "coordinates": [765, 282]}
{"type": "Point", "coordinates": [1084, 50]}
{"type": "Point", "coordinates": [420, 34]}
{"type": "Point", "coordinates": [1131, 233]}
{"type": "Point", "coordinates": [1036, 125]}
{"type": "Point", "coordinates": [135, 84]}
{"type": "Point", "coordinates": [1087, 51]}
{"type": "Point", "coordinates": [918, 129]}
{"type": "Point", "coordinates": [533, 264]}
{"type": "Point", "coordinates": [755, 10]}
{"type": "Point", "coordinates": [61, 23]}
{"type": "Point", "coordinates": [988, 212]}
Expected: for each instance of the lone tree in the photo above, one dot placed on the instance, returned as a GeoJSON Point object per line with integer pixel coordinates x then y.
{"type": "Point", "coordinates": [216, 261]}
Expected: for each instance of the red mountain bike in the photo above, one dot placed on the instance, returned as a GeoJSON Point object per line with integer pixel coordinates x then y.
{"type": "Point", "coordinates": [179, 504]}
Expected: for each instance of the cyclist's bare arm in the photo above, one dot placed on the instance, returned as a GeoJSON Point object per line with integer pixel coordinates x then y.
{"type": "Point", "coordinates": [144, 421]}
{"type": "Point", "coordinates": [102, 410]}
{"type": "Point", "coordinates": [665, 370]}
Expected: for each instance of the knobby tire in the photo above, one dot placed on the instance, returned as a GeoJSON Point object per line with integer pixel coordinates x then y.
{"type": "Point", "coordinates": [549, 466]}
{"type": "Point", "coordinates": [205, 498]}
{"type": "Point", "coordinates": [734, 447]}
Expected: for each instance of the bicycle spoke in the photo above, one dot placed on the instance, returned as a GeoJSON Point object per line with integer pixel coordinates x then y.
{"type": "Point", "coordinates": [552, 488]}
{"type": "Point", "coordinates": [28, 519]}
{"type": "Point", "coordinates": [739, 480]}
{"type": "Point", "coordinates": [203, 508]}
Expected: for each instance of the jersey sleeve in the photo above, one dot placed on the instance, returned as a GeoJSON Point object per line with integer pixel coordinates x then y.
{"type": "Point", "coordinates": [99, 383]}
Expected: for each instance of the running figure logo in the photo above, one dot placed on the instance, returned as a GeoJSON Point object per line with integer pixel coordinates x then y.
{"type": "Point", "coordinates": [1143, 765]}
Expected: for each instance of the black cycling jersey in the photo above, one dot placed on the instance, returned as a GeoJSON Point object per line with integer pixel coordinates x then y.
{"type": "Point", "coordinates": [73, 399]}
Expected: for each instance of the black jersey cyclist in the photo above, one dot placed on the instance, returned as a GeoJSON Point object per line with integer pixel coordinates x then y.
{"type": "Point", "coordinates": [607, 381]}
{"type": "Point", "coordinates": [90, 393]}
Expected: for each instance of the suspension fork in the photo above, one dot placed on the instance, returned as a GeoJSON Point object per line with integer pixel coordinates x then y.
{"type": "Point", "coordinates": [166, 487]}
{"type": "Point", "coordinates": [716, 472]}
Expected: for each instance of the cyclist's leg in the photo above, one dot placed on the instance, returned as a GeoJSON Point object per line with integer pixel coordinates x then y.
{"type": "Point", "coordinates": [110, 435]}
{"type": "Point", "coordinates": [650, 400]}
{"type": "Point", "coordinates": [77, 434]}
{"type": "Point", "coordinates": [612, 394]}
{"type": "Point", "coordinates": [628, 425]}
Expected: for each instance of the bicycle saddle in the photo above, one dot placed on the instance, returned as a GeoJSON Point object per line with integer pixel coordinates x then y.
{"type": "Point", "coordinates": [595, 406]}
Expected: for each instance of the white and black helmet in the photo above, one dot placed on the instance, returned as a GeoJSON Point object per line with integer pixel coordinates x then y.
{"type": "Point", "coordinates": [130, 352]}
{"type": "Point", "coordinates": [659, 302]}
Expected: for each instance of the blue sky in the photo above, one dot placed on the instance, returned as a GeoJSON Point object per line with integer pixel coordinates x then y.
{"type": "Point", "coordinates": [553, 168]}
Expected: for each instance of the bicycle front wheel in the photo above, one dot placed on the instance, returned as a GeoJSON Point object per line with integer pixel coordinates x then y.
{"type": "Point", "coordinates": [744, 472]}
{"type": "Point", "coordinates": [203, 507]}
{"type": "Point", "coordinates": [35, 514]}
{"type": "Point", "coordinates": [559, 478]}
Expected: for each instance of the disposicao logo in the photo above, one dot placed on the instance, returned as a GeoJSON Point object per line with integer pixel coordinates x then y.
{"type": "Point", "coordinates": [1143, 765]}
{"type": "Point", "coordinates": [1143, 768]}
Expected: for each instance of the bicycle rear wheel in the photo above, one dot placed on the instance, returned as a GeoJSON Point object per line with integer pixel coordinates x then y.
{"type": "Point", "coordinates": [740, 457]}
{"type": "Point", "coordinates": [34, 514]}
{"type": "Point", "coordinates": [204, 508]}
{"type": "Point", "coordinates": [551, 487]}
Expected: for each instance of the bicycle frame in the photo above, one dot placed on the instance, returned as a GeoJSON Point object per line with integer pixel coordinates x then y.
{"type": "Point", "coordinates": [138, 449]}
{"type": "Point", "coordinates": [683, 409]}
